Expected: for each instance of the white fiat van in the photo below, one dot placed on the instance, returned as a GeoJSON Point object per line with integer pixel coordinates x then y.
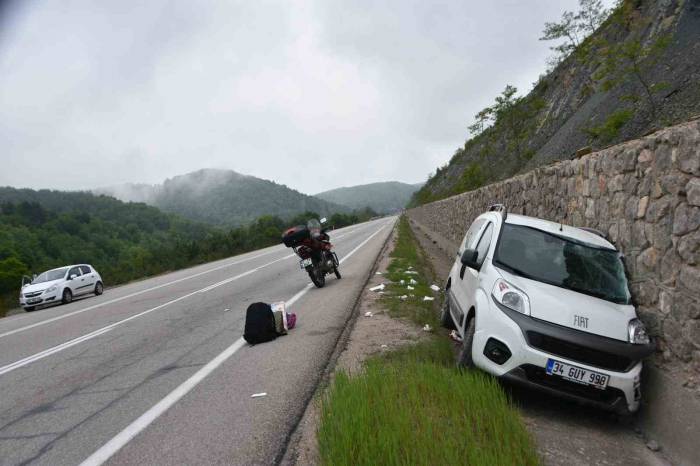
{"type": "Point", "coordinates": [547, 305]}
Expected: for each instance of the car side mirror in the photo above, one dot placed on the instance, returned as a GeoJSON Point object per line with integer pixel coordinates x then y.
{"type": "Point", "coordinates": [72, 277]}
{"type": "Point", "coordinates": [469, 259]}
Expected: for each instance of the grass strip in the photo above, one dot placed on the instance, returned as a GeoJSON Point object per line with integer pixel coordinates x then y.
{"type": "Point", "coordinates": [411, 405]}
{"type": "Point", "coordinates": [409, 262]}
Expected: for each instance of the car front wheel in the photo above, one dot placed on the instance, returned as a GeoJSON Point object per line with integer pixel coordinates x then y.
{"type": "Point", "coordinates": [464, 359]}
{"type": "Point", "coordinates": [67, 296]}
{"type": "Point", "coordinates": [445, 316]}
{"type": "Point", "coordinates": [99, 288]}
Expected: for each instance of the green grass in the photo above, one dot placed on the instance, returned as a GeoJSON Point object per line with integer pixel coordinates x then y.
{"type": "Point", "coordinates": [408, 254]}
{"type": "Point", "coordinates": [420, 413]}
{"type": "Point", "coordinates": [411, 406]}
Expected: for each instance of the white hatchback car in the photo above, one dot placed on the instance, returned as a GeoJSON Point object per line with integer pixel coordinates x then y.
{"type": "Point", "coordinates": [60, 285]}
{"type": "Point", "coordinates": [547, 305]}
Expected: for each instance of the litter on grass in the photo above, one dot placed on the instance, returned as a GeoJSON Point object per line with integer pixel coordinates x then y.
{"type": "Point", "coordinates": [377, 288]}
{"type": "Point", "coordinates": [434, 287]}
{"type": "Point", "coordinates": [412, 282]}
{"type": "Point", "coordinates": [455, 336]}
{"type": "Point", "coordinates": [409, 287]}
{"type": "Point", "coordinates": [368, 314]}
{"type": "Point", "coordinates": [404, 297]}
{"type": "Point", "coordinates": [402, 282]}
{"type": "Point", "coordinates": [428, 298]}
{"type": "Point", "coordinates": [258, 395]}
{"type": "Point", "coordinates": [427, 328]}
{"type": "Point", "coordinates": [384, 346]}
{"type": "Point", "coordinates": [377, 273]}
{"type": "Point", "coordinates": [411, 272]}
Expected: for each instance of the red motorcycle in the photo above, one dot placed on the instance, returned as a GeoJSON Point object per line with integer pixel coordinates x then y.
{"type": "Point", "coordinates": [312, 244]}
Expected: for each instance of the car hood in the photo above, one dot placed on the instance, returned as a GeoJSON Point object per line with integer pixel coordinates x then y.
{"type": "Point", "coordinates": [574, 310]}
{"type": "Point", "coordinates": [39, 286]}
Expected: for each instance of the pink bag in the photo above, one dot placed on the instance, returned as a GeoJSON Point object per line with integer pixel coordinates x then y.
{"type": "Point", "coordinates": [291, 320]}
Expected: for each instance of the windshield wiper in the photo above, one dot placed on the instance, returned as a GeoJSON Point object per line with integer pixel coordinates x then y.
{"type": "Point", "coordinates": [514, 270]}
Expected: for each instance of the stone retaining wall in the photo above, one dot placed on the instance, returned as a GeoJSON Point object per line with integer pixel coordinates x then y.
{"type": "Point", "coordinates": [645, 195]}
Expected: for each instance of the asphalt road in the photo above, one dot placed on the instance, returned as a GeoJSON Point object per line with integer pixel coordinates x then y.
{"type": "Point", "coordinates": [156, 372]}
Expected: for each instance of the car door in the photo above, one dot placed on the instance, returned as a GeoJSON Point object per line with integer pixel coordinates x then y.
{"type": "Point", "coordinates": [458, 299]}
{"type": "Point", "coordinates": [470, 282]}
{"type": "Point", "coordinates": [89, 276]}
{"type": "Point", "coordinates": [74, 281]}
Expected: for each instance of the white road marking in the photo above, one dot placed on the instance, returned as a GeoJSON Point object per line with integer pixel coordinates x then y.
{"type": "Point", "coordinates": [132, 430]}
{"type": "Point", "coordinates": [56, 349]}
{"type": "Point", "coordinates": [115, 300]}
{"type": "Point", "coordinates": [50, 351]}
{"type": "Point", "coordinates": [41, 355]}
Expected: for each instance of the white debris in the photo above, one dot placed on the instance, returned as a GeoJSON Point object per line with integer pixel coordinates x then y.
{"type": "Point", "coordinates": [258, 395]}
{"type": "Point", "coordinates": [409, 287]}
{"type": "Point", "coordinates": [412, 282]}
{"type": "Point", "coordinates": [427, 328]}
{"type": "Point", "coordinates": [434, 287]}
{"type": "Point", "coordinates": [404, 297]}
{"type": "Point", "coordinates": [384, 346]}
{"type": "Point", "coordinates": [411, 272]}
{"type": "Point", "coordinates": [368, 314]}
{"type": "Point", "coordinates": [455, 336]}
{"type": "Point", "coordinates": [377, 273]}
{"type": "Point", "coordinates": [227, 309]}
{"type": "Point", "coordinates": [378, 288]}
{"type": "Point", "coordinates": [402, 282]}
{"type": "Point", "coordinates": [428, 298]}
{"type": "Point", "coordinates": [410, 267]}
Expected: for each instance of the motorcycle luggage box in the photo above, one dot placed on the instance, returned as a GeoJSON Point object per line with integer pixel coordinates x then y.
{"type": "Point", "coordinates": [295, 235]}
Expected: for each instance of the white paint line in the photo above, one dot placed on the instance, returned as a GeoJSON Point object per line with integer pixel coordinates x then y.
{"type": "Point", "coordinates": [121, 298]}
{"type": "Point", "coordinates": [50, 351]}
{"type": "Point", "coordinates": [35, 357]}
{"type": "Point", "coordinates": [108, 450]}
{"type": "Point", "coordinates": [61, 347]}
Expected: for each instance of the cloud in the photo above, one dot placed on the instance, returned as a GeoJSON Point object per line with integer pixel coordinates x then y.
{"type": "Point", "coordinates": [312, 94]}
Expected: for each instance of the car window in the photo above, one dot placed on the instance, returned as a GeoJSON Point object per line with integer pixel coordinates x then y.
{"type": "Point", "coordinates": [85, 269]}
{"type": "Point", "coordinates": [468, 241]}
{"type": "Point", "coordinates": [74, 271]}
{"type": "Point", "coordinates": [483, 247]}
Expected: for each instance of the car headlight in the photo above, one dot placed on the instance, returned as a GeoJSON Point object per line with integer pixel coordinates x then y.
{"type": "Point", "coordinates": [511, 297]}
{"type": "Point", "coordinates": [638, 332]}
{"type": "Point", "coordinates": [50, 290]}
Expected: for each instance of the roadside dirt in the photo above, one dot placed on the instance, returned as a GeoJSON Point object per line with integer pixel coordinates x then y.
{"type": "Point", "coordinates": [369, 336]}
{"type": "Point", "coordinates": [567, 433]}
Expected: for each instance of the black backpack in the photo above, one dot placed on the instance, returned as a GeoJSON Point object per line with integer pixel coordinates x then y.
{"type": "Point", "coordinates": [259, 324]}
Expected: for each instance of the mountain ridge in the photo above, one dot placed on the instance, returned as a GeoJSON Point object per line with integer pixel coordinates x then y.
{"type": "Point", "coordinates": [222, 197]}
{"type": "Point", "coordinates": [382, 197]}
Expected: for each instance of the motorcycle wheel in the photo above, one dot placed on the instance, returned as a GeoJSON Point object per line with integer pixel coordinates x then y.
{"type": "Point", "coordinates": [317, 276]}
{"type": "Point", "coordinates": [337, 273]}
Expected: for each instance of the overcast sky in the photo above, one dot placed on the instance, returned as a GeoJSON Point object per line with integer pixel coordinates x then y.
{"type": "Point", "coordinates": [311, 94]}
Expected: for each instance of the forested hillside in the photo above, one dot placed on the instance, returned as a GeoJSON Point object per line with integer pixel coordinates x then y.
{"type": "Point", "coordinates": [616, 75]}
{"type": "Point", "coordinates": [386, 197]}
{"type": "Point", "coordinates": [44, 229]}
{"type": "Point", "coordinates": [223, 197]}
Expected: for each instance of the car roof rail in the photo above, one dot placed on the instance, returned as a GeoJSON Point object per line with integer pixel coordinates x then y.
{"type": "Point", "coordinates": [499, 208]}
{"type": "Point", "coordinates": [594, 231]}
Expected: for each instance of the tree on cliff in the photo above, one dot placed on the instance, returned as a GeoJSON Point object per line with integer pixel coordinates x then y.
{"type": "Point", "coordinates": [574, 28]}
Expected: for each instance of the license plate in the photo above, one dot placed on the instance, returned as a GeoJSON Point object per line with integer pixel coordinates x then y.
{"type": "Point", "coordinates": [33, 300]}
{"type": "Point", "coordinates": [305, 263]}
{"type": "Point", "coordinates": [577, 374]}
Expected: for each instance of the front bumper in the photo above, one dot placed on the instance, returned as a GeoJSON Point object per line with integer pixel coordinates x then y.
{"type": "Point", "coordinates": [43, 298]}
{"type": "Point", "coordinates": [524, 337]}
